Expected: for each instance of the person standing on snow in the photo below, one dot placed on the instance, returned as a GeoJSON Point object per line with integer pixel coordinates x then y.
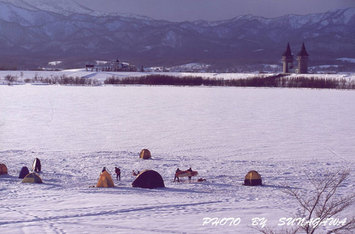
{"type": "Point", "coordinates": [118, 173]}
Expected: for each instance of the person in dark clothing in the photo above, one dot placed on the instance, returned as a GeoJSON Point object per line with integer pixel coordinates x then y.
{"type": "Point", "coordinates": [118, 173]}
{"type": "Point", "coordinates": [37, 165]}
{"type": "Point", "coordinates": [176, 175]}
{"type": "Point", "coordinates": [190, 170]}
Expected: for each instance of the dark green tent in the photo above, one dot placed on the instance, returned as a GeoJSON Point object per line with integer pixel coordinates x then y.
{"type": "Point", "coordinates": [149, 179]}
{"type": "Point", "coordinates": [24, 172]}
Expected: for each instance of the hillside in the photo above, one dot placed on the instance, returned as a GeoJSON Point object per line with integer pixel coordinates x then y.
{"type": "Point", "coordinates": [31, 37]}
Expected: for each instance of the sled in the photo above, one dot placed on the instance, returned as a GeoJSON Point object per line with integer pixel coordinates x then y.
{"type": "Point", "coordinates": [186, 173]}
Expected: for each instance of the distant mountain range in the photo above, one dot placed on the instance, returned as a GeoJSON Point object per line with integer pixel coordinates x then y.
{"type": "Point", "coordinates": [31, 36]}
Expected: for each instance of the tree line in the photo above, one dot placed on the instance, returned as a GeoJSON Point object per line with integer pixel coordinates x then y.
{"type": "Point", "coordinates": [258, 81]}
{"type": "Point", "coordinates": [280, 80]}
{"type": "Point", "coordinates": [63, 80]}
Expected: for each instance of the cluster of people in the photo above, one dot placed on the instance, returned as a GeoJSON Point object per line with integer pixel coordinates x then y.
{"type": "Point", "coordinates": [117, 171]}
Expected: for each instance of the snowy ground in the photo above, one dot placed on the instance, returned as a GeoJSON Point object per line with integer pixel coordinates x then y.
{"type": "Point", "coordinates": [220, 132]}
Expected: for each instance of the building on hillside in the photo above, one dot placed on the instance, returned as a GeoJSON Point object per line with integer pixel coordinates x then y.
{"type": "Point", "coordinates": [114, 65]}
{"type": "Point", "coordinates": [90, 67]}
{"type": "Point", "coordinates": [302, 60]}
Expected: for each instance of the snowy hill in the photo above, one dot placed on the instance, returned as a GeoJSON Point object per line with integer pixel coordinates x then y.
{"type": "Point", "coordinates": [31, 37]}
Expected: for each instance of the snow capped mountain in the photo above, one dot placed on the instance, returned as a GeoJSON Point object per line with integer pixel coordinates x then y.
{"type": "Point", "coordinates": [33, 36]}
{"type": "Point", "coordinates": [10, 13]}
{"type": "Point", "coordinates": [65, 7]}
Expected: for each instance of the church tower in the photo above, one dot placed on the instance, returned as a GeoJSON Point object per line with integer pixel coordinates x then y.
{"type": "Point", "coordinates": [287, 60]}
{"type": "Point", "coordinates": [302, 59]}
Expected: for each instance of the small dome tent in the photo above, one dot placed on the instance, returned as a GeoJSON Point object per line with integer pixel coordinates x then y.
{"type": "Point", "coordinates": [252, 178]}
{"type": "Point", "coordinates": [3, 169]}
{"type": "Point", "coordinates": [32, 178]}
{"type": "Point", "coordinates": [105, 180]}
{"type": "Point", "coordinates": [145, 154]}
{"type": "Point", "coordinates": [23, 173]}
{"type": "Point", "coordinates": [149, 179]}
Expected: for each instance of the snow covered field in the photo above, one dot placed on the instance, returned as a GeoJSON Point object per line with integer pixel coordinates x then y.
{"type": "Point", "coordinates": [220, 132]}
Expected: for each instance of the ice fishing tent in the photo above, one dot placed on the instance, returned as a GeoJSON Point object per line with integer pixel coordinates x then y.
{"type": "Point", "coordinates": [3, 169]}
{"type": "Point", "coordinates": [105, 180]}
{"type": "Point", "coordinates": [36, 165]}
{"type": "Point", "coordinates": [252, 178]}
{"type": "Point", "coordinates": [24, 172]}
{"type": "Point", "coordinates": [32, 178]}
{"type": "Point", "coordinates": [145, 154]}
{"type": "Point", "coordinates": [149, 179]}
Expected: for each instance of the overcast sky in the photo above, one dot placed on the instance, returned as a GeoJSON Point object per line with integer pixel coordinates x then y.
{"type": "Point", "coordinates": [180, 10]}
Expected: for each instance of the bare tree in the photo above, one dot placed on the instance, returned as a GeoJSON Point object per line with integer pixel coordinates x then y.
{"type": "Point", "coordinates": [271, 231]}
{"type": "Point", "coordinates": [323, 204]}
{"type": "Point", "coordinates": [11, 78]}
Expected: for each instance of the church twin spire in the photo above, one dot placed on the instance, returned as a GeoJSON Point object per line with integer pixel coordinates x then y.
{"type": "Point", "coordinates": [302, 59]}
{"type": "Point", "coordinates": [303, 51]}
{"type": "Point", "coordinates": [287, 53]}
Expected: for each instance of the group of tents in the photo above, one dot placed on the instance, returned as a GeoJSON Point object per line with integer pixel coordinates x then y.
{"type": "Point", "coordinates": [152, 179]}
{"type": "Point", "coordinates": [25, 174]}
{"type": "Point", "coordinates": [252, 178]}
{"type": "Point", "coordinates": [145, 179]}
